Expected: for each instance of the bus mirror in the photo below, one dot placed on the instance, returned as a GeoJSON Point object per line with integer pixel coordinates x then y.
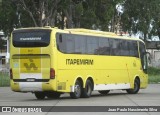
{"type": "Point", "coordinates": [146, 57]}
{"type": "Point", "coordinates": [60, 38]}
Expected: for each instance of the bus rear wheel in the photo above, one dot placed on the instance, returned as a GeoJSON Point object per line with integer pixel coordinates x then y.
{"type": "Point", "coordinates": [87, 91]}
{"type": "Point", "coordinates": [136, 87]}
{"type": "Point", "coordinates": [104, 92]}
{"type": "Point", "coordinates": [40, 95]}
{"type": "Point", "coordinates": [77, 90]}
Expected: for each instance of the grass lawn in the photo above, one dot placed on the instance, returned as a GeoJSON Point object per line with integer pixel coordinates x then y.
{"type": "Point", "coordinates": [4, 79]}
{"type": "Point", "coordinates": [154, 75]}
{"type": "Point", "coordinates": [154, 78]}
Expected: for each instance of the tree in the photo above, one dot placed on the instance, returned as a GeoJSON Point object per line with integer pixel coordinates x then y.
{"type": "Point", "coordinates": [8, 18]}
{"type": "Point", "coordinates": [98, 14]}
{"type": "Point", "coordinates": [107, 14]}
{"type": "Point", "coordinates": [90, 14]}
{"type": "Point", "coordinates": [42, 12]}
{"type": "Point", "coordinates": [137, 16]}
{"type": "Point", "coordinates": [141, 16]}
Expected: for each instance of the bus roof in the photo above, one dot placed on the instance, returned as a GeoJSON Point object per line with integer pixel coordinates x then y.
{"type": "Point", "coordinates": [99, 33]}
{"type": "Point", "coordinates": [83, 31]}
{"type": "Point", "coordinates": [91, 31]}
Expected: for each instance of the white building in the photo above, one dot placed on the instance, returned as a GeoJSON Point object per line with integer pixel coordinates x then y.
{"type": "Point", "coordinates": [4, 53]}
{"type": "Point", "coordinates": [153, 47]}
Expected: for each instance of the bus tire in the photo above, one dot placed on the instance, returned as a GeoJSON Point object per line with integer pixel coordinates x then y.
{"type": "Point", "coordinates": [53, 95]}
{"type": "Point", "coordinates": [104, 92]}
{"type": "Point", "coordinates": [40, 95]}
{"type": "Point", "coordinates": [77, 90]}
{"type": "Point", "coordinates": [136, 87]}
{"type": "Point", "coordinates": [87, 91]}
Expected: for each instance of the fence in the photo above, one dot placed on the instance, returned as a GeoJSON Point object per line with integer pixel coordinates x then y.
{"type": "Point", "coordinates": [4, 74]}
{"type": "Point", "coordinates": [154, 58]}
{"type": "Point", "coordinates": [154, 63]}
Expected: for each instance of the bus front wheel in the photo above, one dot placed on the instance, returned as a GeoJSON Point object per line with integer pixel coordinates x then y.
{"type": "Point", "coordinates": [136, 87]}
{"type": "Point", "coordinates": [77, 90]}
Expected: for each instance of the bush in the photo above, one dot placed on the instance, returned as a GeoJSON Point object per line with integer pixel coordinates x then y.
{"type": "Point", "coordinates": [4, 79]}
{"type": "Point", "coordinates": [154, 75]}
{"type": "Point", "coordinates": [153, 71]}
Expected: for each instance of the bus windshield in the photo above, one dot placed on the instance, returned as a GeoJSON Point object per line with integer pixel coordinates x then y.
{"type": "Point", "coordinates": [31, 38]}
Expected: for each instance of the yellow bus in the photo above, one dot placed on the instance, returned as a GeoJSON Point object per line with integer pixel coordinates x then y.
{"type": "Point", "coordinates": [49, 61]}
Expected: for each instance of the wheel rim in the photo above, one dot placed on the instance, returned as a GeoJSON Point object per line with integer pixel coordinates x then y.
{"type": "Point", "coordinates": [77, 89]}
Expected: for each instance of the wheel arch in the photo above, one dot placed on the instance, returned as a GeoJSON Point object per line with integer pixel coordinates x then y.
{"type": "Point", "coordinates": [80, 80]}
{"type": "Point", "coordinates": [136, 86]}
{"type": "Point", "coordinates": [136, 77]}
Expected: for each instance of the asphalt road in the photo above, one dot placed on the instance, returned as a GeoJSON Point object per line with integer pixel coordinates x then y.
{"type": "Point", "coordinates": [118, 98]}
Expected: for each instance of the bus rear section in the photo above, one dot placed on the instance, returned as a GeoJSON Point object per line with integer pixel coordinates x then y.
{"type": "Point", "coordinates": [30, 64]}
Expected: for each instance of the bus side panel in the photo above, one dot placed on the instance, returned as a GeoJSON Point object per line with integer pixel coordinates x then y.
{"type": "Point", "coordinates": [103, 69]}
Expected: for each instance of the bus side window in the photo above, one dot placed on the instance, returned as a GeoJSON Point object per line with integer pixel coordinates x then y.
{"type": "Point", "coordinates": [70, 43]}
{"type": "Point", "coordinates": [115, 47]}
{"type": "Point", "coordinates": [133, 48]}
{"type": "Point", "coordinates": [92, 45]}
{"type": "Point", "coordinates": [104, 46]}
{"type": "Point", "coordinates": [80, 44]}
{"type": "Point", "coordinates": [125, 48]}
{"type": "Point", "coordinates": [61, 45]}
{"type": "Point", "coordinates": [60, 38]}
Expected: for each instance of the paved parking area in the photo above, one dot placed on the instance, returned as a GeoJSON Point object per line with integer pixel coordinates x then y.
{"type": "Point", "coordinates": [118, 98]}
